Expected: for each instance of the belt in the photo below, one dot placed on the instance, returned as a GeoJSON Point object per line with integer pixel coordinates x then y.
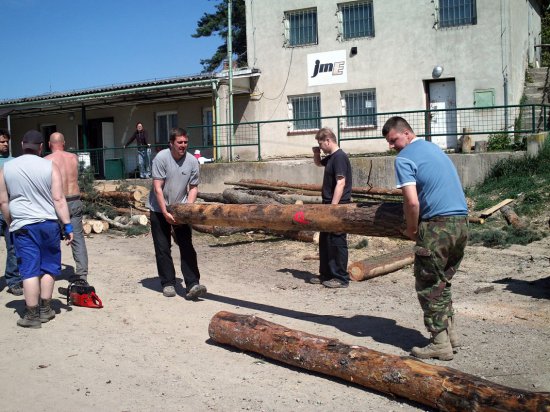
{"type": "Point", "coordinates": [71, 198]}
{"type": "Point", "coordinates": [444, 218]}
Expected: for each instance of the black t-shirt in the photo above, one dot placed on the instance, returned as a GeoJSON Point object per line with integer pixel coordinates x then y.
{"type": "Point", "coordinates": [336, 164]}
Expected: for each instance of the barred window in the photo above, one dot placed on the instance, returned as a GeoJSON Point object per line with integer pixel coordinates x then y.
{"type": "Point", "coordinates": [360, 107]}
{"type": "Point", "coordinates": [356, 19]}
{"type": "Point", "coordinates": [301, 27]}
{"type": "Point", "coordinates": [305, 111]}
{"type": "Point", "coordinates": [457, 13]}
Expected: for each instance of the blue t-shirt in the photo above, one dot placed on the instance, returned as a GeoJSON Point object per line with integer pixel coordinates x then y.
{"type": "Point", "coordinates": [425, 165]}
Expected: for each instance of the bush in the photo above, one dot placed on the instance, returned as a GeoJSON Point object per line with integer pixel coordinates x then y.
{"type": "Point", "coordinates": [498, 142]}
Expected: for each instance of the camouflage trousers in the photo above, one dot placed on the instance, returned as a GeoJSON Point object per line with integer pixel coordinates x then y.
{"type": "Point", "coordinates": [438, 252]}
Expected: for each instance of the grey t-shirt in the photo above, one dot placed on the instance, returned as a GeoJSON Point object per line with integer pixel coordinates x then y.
{"type": "Point", "coordinates": [177, 175]}
{"type": "Point", "coordinates": [29, 182]}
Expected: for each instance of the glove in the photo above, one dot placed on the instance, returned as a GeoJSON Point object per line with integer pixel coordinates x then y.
{"type": "Point", "coordinates": [67, 230]}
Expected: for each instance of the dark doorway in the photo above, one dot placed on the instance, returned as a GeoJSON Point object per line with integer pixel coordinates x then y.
{"type": "Point", "coordinates": [95, 143]}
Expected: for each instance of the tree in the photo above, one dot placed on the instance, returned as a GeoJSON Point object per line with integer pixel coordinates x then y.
{"type": "Point", "coordinates": [216, 23]}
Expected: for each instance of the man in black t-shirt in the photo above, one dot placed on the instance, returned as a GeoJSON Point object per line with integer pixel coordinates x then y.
{"type": "Point", "coordinates": [333, 247]}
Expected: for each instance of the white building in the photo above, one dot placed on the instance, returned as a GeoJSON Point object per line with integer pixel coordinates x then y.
{"type": "Point", "coordinates": [320, 58]}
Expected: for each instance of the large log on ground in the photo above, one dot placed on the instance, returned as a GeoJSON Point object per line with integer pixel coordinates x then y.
{"type": "Point", "coordinates": [369, 219]}
{"type": "Point", "coordinates": [511, 217]}
{"type": "Point", "coordinates": [438, 387]}
{"type": "Point", "coordinates": [256, 183]}
{"type": "Point", "coordinates": [380, 265]}
{"type": "Point", "coordinates": [211, 197]}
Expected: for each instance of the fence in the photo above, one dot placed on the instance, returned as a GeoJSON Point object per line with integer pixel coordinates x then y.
{"type": "Point", "coordinates": [517, 120]}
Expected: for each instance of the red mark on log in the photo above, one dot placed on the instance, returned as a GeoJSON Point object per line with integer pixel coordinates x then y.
{"type": "Point", "coordinates": [299, 217]}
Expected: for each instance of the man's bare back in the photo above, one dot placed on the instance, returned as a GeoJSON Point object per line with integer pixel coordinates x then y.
{"type": "Point", "coordinates": [68, 165]}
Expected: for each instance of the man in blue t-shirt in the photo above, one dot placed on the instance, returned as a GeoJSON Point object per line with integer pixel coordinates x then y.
{"type": "Point", "coordinates": [437, 219]}
{"type": "Point", "coordinates": [336, 189]}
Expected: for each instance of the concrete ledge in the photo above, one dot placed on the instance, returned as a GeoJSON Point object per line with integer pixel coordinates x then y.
{"type": "Point", "coordinates": [472, 169]}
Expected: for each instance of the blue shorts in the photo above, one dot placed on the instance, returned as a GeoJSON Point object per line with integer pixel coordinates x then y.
{"type": "Point", "coordinates": [38, 250]}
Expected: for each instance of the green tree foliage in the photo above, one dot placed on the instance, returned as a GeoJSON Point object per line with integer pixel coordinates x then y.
{"type": "Point", "coordinates": [216, 24]}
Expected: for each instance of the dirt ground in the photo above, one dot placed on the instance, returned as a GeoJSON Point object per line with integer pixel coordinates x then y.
{"type": "Point", "coordinates": [145, 352]}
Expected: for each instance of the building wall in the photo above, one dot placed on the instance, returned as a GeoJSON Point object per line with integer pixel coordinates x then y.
{"type": "Point", "coordinates": [397, 61]}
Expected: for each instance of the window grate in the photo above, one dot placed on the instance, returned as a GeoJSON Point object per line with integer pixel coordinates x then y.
{"type": "Point", "coordinates": [457, 13]}
{"type": "Point", "coordinates": [357, 19]}
{"type": "Point", "coordinates": [301, 27]}
{"type": "Point", "coordinates": [306, 112]}
{"type": "Point", "coordinates": [360, 107]}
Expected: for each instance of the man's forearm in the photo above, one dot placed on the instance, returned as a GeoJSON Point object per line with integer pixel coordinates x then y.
{"type": "Point", "coordinates": [192, 195]}
{"type": "Point", "coordinates": [62, 210]}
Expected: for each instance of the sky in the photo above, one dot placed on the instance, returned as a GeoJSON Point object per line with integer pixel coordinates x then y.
{"type": "Point", "coordinates": [49, 46]}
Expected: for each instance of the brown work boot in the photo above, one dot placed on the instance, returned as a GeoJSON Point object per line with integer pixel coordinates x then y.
{"type": "Point", "coordinates": [31, 318]}
{"type": "Point", "coordinates": [453, 336]}
{"type": "Point", "coordinates": [438, 348]}
{"type": "Point", "coordinates": [46, 311]}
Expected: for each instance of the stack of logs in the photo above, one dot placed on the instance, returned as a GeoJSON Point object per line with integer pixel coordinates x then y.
{"type": "Point", "coordinates": [128, 202]}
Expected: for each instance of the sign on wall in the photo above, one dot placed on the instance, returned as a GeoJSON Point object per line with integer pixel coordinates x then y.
{"type": "Point", "coordinates": [327, 68]}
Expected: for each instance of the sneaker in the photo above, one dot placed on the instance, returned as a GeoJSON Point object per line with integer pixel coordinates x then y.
{"type": "Point", "coordinates": [333, 283]}
{"type": "Point", "coordinates": [196, 292]}
{"type": "Point", "coordinates": [169, 291]}
{"type": "Point", "coordinates": [16, 290]}
{"type": "Point", "coordinates": [315, 280]}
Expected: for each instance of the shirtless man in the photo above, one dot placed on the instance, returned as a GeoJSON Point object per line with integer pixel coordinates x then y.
{"type": "Point", "coordinates": [68, 166]}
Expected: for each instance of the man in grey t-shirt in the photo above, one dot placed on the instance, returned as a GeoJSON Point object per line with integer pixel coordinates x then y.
{"type": "Point", "coordinates": [175, 180]}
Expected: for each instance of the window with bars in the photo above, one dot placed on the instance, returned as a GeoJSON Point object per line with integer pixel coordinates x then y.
{"type": "Point", "coordinates": [356, 19]}
{"type": "Point", "coordinates": [305, 111]}
{"type": "Point", "coordinates": [360, 107]}
{"type": "Point", "coordinates": [457, 13]}
{"type": "Point", "coordinates": [164, 122]}
{"type": "Point", "coordinates": [301, 27]}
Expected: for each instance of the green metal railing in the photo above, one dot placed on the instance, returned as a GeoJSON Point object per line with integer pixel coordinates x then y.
{"type": "Point", "coordinates": [517, 120]}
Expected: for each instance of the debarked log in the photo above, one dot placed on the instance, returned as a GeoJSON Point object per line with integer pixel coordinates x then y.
{"type": "Point", "coordinates": [380, 265]}
{"type": "Point", "coordinates": [438, 387]}
{"type": "Point", "coordinates": [369, 219]}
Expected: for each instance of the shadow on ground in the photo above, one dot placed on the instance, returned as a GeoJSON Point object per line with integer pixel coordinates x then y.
{"type": "Point", "coordinates": [538, 289]}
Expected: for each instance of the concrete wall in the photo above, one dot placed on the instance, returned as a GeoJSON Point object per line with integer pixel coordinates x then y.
{"type": "Point", "coordinates": [472, 169]}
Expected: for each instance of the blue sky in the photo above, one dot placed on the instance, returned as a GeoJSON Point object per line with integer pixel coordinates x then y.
{"type": "Point", "coordinates": [62, 45]}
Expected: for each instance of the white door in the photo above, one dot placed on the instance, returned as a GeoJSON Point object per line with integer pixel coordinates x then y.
{"type": "Point", "coordinates": [443, 123]}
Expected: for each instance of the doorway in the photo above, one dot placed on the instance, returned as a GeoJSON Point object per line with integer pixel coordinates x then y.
{"type": "Point", "coordinates": [99, 136]}
{"type": "Point", "coordinates": [442, 96]}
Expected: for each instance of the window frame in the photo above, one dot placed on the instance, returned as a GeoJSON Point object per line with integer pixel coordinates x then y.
{"type": "Point", "coordinates": [294, 122]}
{"type": "Point", "coordinates": [445, 6]}
{"type": "Point", "coordinates": [158, 137]}
{"type": "Point", "coordinates": [288, 30]}
{"type": "Point", "coordinates": [345, 109]}
{"type": "Point", "coordinates": [342, 24]}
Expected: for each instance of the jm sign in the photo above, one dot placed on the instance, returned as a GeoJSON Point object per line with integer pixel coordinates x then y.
{"type": "Point", "coordinates": [327, 68]}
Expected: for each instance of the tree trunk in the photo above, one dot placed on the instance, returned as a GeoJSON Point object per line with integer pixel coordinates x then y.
{"type": "Point", "coordinates": [256, 183]}
{"type": "Point", "coordinates": [511, 217]}
{"type": "Point", "coordinates": [86, 228]}
{"type": "Point", "coordinates": [217, 230]}
{"type": "Point", "coordinates": [139, 220]}
{"type": "Point", "coordinates": [211, 197]}
{"type": "Point", "coordinates": [438, 387]}
{"type": "Point", "coordinates": [241, 197]}
{"type": "Point", "coordinates": [369, 219]}
{"type": "Point", "coordinates": [380, 265]}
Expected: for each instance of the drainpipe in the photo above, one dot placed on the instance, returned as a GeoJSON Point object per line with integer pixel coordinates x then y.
{"type": "Point", "coordinates": [505, 85]}
{"type": "Point", "coordinates": [84, 127]}
{"type": "Point", "coordinates": [9, 131]}
{"type": "Point", "coordinates": [216, 118]}
{"type": "Point", "coordinates": [230, 61]}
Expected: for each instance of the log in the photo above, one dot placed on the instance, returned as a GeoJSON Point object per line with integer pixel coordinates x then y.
{"type": "Point", "coordinates": [96, 226]}
{"type": "Point", "coordinates": [86, 228]}
{"type": "Point", "coordinates": [126, 197]}
{"type": "Point", "coordinates": [131, 211]}
{"type": "Point", "coordinates": [477, 220]}
{"type": "Point", "coordinates": [139, 220]}
{"type": "Point", "coordinates": [288, 199]}
{"type": "Point", "coordinates": [438, 387]}
{"type": "Point", "coordinates": [511, 217]}
{"type": "Point", "coordinates": [211, 197]}
{"type": "Point", "coordinates": [218, 230]}
{"type": "Point", "coordinates": [240, 197]}
{"type": "Point", "coordinates": [381, 265]}
{"type": "Point", "coordinates": [369, 219]}
{"type": "Point", "coordinates": [111, 221]}
{"type": "Point", "coordinates": [305, 236]}
{"type": "Point", "coordinates": [257, 183]}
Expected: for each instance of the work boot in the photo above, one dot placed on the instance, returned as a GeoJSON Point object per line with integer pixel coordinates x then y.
{"type": "Point", "coordinates": [453, 336]}
{"type": "Point", "coordinates": [31, 318]}
{"type": "Point", "coordinates": [46, 311]}
{"type": "Point", "coordinates": [438, 348]}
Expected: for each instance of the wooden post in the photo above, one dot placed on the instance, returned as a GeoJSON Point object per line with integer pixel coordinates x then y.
{"type": "Point", "coordinates": [438, 387]}
{"type": "Point", "coordinates": [466, 140]}
{"type": "Point", "coordinates": [369, 219]}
